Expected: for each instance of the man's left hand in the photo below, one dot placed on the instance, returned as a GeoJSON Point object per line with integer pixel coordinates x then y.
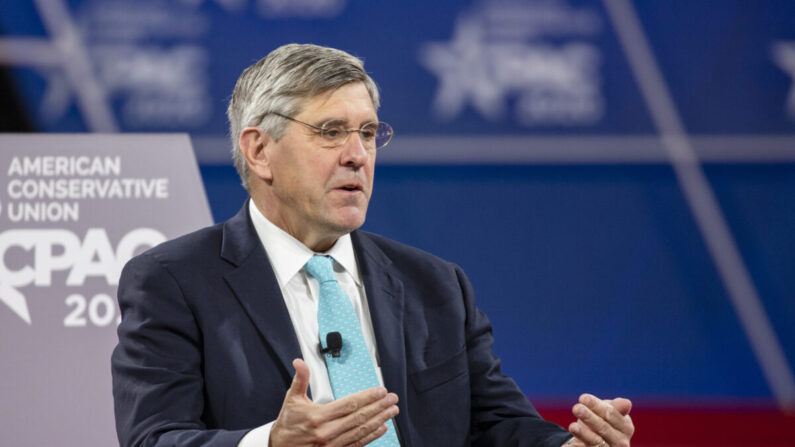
{"type": "Point", "coordinates": [601, 423]}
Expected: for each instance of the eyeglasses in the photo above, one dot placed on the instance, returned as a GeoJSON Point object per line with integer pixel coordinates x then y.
{"type": "Point", "coordinates": [374, 135]}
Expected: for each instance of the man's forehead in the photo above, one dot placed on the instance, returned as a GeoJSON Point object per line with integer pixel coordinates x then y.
{"type": "Point", "coordinates": [346, 103]}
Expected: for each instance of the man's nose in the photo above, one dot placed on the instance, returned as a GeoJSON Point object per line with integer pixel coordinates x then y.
{"type": "Point", "coordinates": [354, 152]}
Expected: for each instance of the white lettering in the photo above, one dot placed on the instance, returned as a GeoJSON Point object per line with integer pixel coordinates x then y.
{"type": "Point", "coordinates": [43, 212]}
{"type": "Point", "coordinates": [95, 244]}
{"type": "Point", "coordinates": [59, 250]}
{"type": "Point", "coordinates": [15, 168]}
{"type": "Point", "coordinates": [162, 188]}
{"type": "Point", "coordinates": [26, 274]}
{"type": "Point", "coordinates": [66, 166]}
{"type": "Point", "coordinates": [31, 166]}
{"type": "Point", "coordinates": [45, 261]}
{"type": "Point", "coordinates": [15, 189]}
{"type": "Point", "coordinates": [85, 188]}
{"type": "Point", "coordinates": [101, 311]}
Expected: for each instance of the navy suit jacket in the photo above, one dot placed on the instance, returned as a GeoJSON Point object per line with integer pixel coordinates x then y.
{"type": "Point", "coordinates": [206, 345]}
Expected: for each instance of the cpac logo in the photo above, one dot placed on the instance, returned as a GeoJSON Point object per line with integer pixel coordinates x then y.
{"type": "Point", "coordinates": [497, 53]}
{"type": "Point", "coordinates": [48, 251]}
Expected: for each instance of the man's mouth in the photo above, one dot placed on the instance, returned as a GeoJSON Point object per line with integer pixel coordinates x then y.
{"type": "Point", "coordinates": [350, 188]}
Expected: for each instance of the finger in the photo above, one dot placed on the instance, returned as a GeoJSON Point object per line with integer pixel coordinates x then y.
{"type": "Point", "coordinates": [627, 427]}
{"type": "Point", "coordinates": [584, 435]}
{"type": "Point", "coordinates": [300, 384]}
{"type": "Point", "coordinates": [624, 406]}
{"type": "Point", "coordinates": [365, 420]}
{"type": "Point", "coordinates": [574, 442]}
{"type": "Point", "coordinates": [600, 426]}
{"type": "Point", "coordinates": [381, 431]}
{"type": "Point", "coordinates": [360, 434]}
{"type": "Point", "coordinates": [607, 412]}
{"type": "Point", "coordinates": [352, 403]}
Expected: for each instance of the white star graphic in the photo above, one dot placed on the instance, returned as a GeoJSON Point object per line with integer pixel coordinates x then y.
{"type": "Point", "coordinates": [465, 73]}
{"type": "Point", "coordinates": [784, 56]}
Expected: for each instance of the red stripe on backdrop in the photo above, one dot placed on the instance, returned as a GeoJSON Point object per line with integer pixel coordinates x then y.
{"type": "Point", "coordinates": [701, 427]}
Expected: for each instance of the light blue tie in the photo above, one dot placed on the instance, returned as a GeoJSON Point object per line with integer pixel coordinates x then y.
{"type": "Point", "coordinates": [353, 370]}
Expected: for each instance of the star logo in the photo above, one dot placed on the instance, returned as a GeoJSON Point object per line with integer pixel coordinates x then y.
{"type": "Point", "coordinates": [784, 57]}
{"type": "Point", "coordinates": [463, 74]}
{"type": "Point", "coordinates": [497, 57]}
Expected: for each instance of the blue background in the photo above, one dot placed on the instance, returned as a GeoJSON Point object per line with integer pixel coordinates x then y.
{"type": "Point", "coordinates": [595, 274]}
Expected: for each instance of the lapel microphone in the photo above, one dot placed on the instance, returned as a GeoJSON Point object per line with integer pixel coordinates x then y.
{"type": "Point", "coordinates": [333, 344]}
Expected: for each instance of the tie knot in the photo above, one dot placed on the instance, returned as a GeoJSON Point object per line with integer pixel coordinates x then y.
{"type": "Point", "coordinates": [320, 266]}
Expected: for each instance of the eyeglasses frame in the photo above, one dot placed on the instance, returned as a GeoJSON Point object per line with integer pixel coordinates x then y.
{"type": "Point", "coordinates": [348, 131]}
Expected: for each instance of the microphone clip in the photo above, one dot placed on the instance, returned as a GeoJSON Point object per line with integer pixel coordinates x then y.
{"type": "Point", "coordinates": [333, 344]}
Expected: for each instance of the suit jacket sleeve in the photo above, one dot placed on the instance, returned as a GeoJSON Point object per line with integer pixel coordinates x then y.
{"type": "Point", "coordinates": [501, 415]}
{"type": "Point", "coordinates": [157, 366]}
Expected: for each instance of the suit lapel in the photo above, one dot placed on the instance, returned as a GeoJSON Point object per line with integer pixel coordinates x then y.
{"type": "Point", "coordinates": [254, 284]}
{"type": "Point", "coordinates": [385, 300]}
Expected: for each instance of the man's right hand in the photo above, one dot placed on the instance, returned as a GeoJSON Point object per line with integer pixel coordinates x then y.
{"type": "Point", "coordinates": [354, 420]}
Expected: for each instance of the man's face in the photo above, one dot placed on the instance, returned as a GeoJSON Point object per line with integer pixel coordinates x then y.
{"type": "Point", "coordinates": [320, 194]}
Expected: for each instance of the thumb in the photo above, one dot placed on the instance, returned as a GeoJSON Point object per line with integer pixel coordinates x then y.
{"type": "Point", "coordinates": [300, 383]}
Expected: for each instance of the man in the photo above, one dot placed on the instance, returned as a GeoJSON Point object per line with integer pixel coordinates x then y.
{"type": "Point", "coordinates": [227, 332]}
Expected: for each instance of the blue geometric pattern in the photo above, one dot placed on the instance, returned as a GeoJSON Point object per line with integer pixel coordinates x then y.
{"type": "Point", "coordinates": [353, 370]}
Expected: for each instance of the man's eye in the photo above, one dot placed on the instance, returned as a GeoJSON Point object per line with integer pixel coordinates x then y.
{"type": "Point", "coordinates": [368, 133]}
{"type": "Point", "coordinates": [334, 132]}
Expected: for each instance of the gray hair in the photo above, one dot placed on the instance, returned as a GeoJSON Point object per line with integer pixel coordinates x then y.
{"type": "Point", "coordinates": [281, 82]}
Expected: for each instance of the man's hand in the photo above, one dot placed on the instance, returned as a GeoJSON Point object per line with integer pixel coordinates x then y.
{"type": "Point", "coordinates": [601, 423]}
{"type": "Point", "coordinates": [355, 420]}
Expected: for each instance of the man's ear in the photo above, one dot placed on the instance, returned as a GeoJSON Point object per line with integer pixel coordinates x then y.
{"type": "Point", "coordinates": [254, 145]}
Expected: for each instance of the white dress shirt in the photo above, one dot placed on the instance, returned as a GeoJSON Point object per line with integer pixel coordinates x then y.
{"type": "Point", "coordinates": [287, 256]}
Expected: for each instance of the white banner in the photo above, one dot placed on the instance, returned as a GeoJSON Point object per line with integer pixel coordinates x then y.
{"type": "Point", "coordinates": [73, 209]}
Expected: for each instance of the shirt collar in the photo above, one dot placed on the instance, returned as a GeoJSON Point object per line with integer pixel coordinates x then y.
{"type": "Point", "coordinates": [288, 255]}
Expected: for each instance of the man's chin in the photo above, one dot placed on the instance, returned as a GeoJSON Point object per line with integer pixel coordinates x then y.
{"type": "Point", "coordinates": [348, 221]}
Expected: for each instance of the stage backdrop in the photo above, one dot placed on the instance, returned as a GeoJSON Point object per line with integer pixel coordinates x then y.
{"type": "Point", "coordinates": [616, 177]}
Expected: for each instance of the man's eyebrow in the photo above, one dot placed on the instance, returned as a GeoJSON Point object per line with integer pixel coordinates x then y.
{"type": "Point", "coordinates": [332, 122]}
{"type": "Point", "coordinates": [342, 122]}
